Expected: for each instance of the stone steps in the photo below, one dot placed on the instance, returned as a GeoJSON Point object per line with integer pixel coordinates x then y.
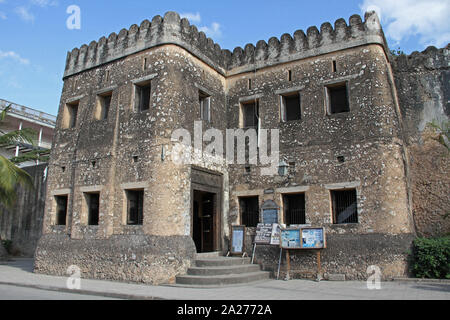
{"type": "Point", "coordinates": [216, 271]}
{"type": "Point", "coordinates": [221, 261]}
{"type": "Point", "coordinates": [222, 271]}
{"type": "Point", "coordinates": [221, 280]}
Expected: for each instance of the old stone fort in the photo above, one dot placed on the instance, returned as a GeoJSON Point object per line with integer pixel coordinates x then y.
{"type": "Point", "coordinates": [353, 150]}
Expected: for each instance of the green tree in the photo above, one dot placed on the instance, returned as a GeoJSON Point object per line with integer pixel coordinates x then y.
{"type": "Point", "coordinates": [12, 176]}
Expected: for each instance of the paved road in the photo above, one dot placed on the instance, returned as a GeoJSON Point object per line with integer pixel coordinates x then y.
{"type": "Point", "coordinates": [22, 293]}
{"type": "Point", "coordinates": [20, 272]}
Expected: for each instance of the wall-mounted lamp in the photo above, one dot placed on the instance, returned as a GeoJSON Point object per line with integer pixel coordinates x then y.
{"type": "Point", "coordinates": [283, 168]}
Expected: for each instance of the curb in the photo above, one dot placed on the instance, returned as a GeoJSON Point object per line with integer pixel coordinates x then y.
{"type": "Point", "coordinates": [422, 280]}
{"type": "Point", "coordinates": [83, 292]}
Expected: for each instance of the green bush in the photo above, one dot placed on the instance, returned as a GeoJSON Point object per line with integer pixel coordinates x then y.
{"type": "Point", "coordinates": [431, 258]}
{"type": "Point", "coordinates": [7, 244]}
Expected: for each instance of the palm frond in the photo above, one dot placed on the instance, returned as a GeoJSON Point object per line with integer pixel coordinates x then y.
{"type": "Point", "coordinates": [26, 135]}
{"type": "Point", "coordinates": [4, 112]}
{"type": "Point", "coordinates": [35, 155]}
{"type": "Point", "coordinates": [12, 176]}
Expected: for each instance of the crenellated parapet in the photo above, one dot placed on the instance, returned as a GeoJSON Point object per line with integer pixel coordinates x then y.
{"type": "Point", "coordinates": [429, 59]}
{"type": "Point", "coordinates": [312, 43]}
{"type": "Point", "coordinates": [173, 30]}
{"type": "Point", "coordinates": [168, 30]}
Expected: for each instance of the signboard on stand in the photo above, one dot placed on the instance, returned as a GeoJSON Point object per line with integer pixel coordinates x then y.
{"type": "Point", "coordinates": [237, 240]}
{"type": "Point", "coordinates": [302, 238]}
{"type": "Point", "coordinates": [263, 233]}
{"type": "Point", "coordinates": [275, 238]}
{"type": "Point", "coordinates": [290, 239]}
{"type": "Point", "coordinates": [313, 238]}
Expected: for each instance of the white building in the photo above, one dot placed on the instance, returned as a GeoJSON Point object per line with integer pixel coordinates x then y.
{"type": "Point", "coordinates": [20, 117]}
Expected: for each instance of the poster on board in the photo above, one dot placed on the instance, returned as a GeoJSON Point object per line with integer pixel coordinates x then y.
{"type": "Point", "coordinates": [263, 233]}
{"type": "Point", "coordinates": [290, 239]}
{"type": "Point", "coordinates": [275, 237]}
{"type": "Point", "coordinates": [237, 239]}
{"type": "Point", "coordinates": [313, 238]}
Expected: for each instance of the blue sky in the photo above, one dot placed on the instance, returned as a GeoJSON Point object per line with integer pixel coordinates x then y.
{"type": "Point", "coordinates": [34, 38]}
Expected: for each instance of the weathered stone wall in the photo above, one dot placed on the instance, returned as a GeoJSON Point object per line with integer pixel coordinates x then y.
{"type": "Point", "coordinates": [23, 224]}
{"type": "Point", "coordinates": [176, 78]}
{"type": "Point", "coordinates": [346, 254]}
{"type": "Point", "coordinates": [430, 180]}
{"type": "Point", "coordinates": [422, 81]}
{"type": "Point", "coordinates": [369, 137]}
{"type": "Point", "coordinates": [137, 258]}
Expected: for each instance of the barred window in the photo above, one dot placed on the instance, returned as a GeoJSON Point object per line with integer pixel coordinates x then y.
{"type": "Point", "coordinates": [344, 204]}
{"type": "Point", "coordinates": [294, 209]}
{"type": "Point", "coordinates": [249, 208]}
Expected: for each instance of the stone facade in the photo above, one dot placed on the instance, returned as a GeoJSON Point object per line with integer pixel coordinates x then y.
{"type": "Point", "coordinates": [362, 150]}
{"type": "Point", "coordinates": [422, 80]}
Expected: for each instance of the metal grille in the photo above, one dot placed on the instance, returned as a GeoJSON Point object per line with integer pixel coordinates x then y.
{"type": "Point", "coordinates": [344, 206]}
{"type": "Point", "coordinates": [249, 211]}
{"type": "Point", "coordinates": [295, 209]}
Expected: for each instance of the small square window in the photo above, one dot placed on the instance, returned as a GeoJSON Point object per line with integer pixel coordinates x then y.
{"type": "Point", "coordinates": [93, 208]}
{"type": "Point", "coordinates": [290, 107]}
{"type": "Point", "coordinates": [337, 98]}
{"type": "Point", "coordinates": [250, 115]}
{"type": "Point", "coordinates": [344, 204]}
{"type": "Point", "coordinates": [142, 96]}
{"type": "Point", "coordinates": [205, 106]}
{"type": "Point", "coordinates": [70, 114]}
{"type": "Point", "coordinates": [103, 106]}
{"type": "Point", "coordinates": [61, 210]}
{"type": "Point", "coordinates": [135, 207]}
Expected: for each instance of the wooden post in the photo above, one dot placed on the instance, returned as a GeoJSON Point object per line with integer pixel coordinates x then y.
{"type": "Point", "coordinates": [319, 267]}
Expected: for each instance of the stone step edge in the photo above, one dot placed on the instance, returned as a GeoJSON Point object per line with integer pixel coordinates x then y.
{"type": "Point", "coordinates": [227, 276]}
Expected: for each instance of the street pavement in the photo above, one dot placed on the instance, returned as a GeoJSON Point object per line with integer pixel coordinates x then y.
{"type": "Point", "coordinates": [17, 281]}
{"type": "Point", "coordinates": [26, 293]}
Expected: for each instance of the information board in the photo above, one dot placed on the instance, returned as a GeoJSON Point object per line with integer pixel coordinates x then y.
{"type": "Point", "coordinates": [237, 239]}
{"type": "Point", "coordinates": [275, 239]}
{"type": "Point", "coordinates": [290, 239]}
{"type": "Point", "coordinates": [263, 233]}
{"type": "Point", "coordinates": [313, 238]}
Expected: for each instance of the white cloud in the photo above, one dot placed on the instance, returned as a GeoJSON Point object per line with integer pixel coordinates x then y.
{"type": "Point", "coordinates": [427, 19]}
{"type": "Point", "coordinates": [45, 3]}
{"type": "Point", "coordinates": [192, 17]}
{"type": "Point", "coordinates": [213, 30]}
{"type": "Point", "coordinates": [13, 55]}
{"type": "Point", "coordinates": [2, 16]}
{"type": "Point", "coordinates": [25, 14]}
